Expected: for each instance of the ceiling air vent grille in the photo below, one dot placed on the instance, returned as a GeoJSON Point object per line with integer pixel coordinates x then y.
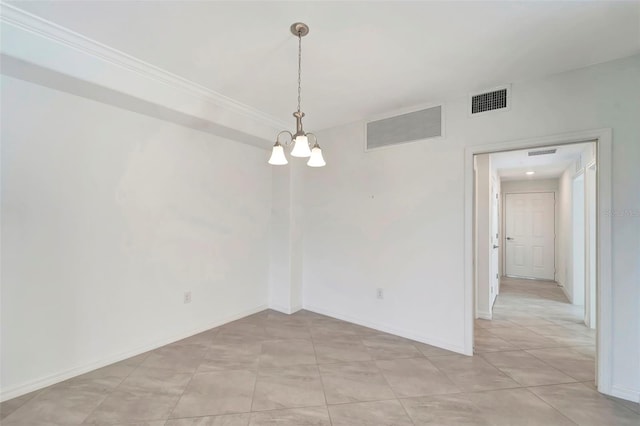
{"type": "Point", "coordinates": [542, 152]}
{"type": "Point", "coordinates": [490, 101]}
{"type": "Point", "coordinates": [409, 127]}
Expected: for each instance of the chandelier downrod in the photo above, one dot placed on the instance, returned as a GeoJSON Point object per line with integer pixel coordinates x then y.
{"type": "Point", "coordinates": [299, 69]}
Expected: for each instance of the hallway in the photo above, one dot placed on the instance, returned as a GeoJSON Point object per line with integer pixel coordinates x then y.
{"type": "Point", "coordinates": [535, 316]}
{"type": "Point", "coordinates": [539, 339]}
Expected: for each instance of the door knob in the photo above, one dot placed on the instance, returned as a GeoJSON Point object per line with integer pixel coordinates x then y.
{"type": "Point", "coordinates": [509, 238]}
{"type": "Point", "coordinates": [495, 246]}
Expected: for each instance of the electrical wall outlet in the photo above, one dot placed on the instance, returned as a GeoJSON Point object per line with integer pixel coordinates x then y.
{"type": "Point", "coordinates": [187, 297]}
{"type": "Point", "coordinates": [380, 293]}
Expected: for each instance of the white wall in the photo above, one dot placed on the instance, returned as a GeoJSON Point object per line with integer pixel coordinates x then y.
{"type": "Point", "coordinates": [536, 185]}
{"type": "Point", "coordinates": [564, 252]}
{"type": "Point", "coordinates": [495, 227]}
{"type": "Point", "coordinates": [108, 217]}
{"type": "Point", "coordinates": [393, 218]}
{"type": "Point", "coordinates": [285, 278]}
{"type": "Point", "coordinates": [591, 247]}
{"type": "Point", "coordinates": [578, 240]}
{"type": "Point", "coordinates": [280, 242]}
{"type": "Point", "coordinates": [529, 185]}
{"type": "Point", "coordinates": [482, 235]}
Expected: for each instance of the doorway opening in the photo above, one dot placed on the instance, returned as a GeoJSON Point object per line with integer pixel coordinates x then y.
{"type": "Point", "coordinates": [535, 222]}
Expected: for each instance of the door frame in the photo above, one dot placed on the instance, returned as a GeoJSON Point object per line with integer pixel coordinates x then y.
{"type": "Point", "coordinates": [604, 300]}
{"type": "Point", "coordinates": [591, 215]}
{"type": "Point", "coordinates": [575, 247]}
{"type": "Point", "coordinates": [496, 218]}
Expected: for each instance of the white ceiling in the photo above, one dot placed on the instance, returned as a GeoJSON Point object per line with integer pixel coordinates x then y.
{"type": "Point", "coordinates": [360, 58]}
{"type": "Point", "coordinates": [513, 165]}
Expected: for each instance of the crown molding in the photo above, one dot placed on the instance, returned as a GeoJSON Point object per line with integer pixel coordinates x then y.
{"type": "Point", "coordinates": [39, 41]}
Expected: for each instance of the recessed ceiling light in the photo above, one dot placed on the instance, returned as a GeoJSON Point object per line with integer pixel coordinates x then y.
{"type": "Point", "coordinates": [531, 173]}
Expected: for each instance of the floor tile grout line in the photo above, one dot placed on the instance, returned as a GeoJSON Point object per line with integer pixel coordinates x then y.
{"type": "Point", "coordinates": [19, 405]}
{"type": "Point", "coordinates": [186, 387]}
{"type": "Point", "coordinates": [559, 346]}
{"type": "Point", "coordinates": [533, 329]}
{"type": "Point", "coordinates": [399, 400]}
{"type": "Point", "coordinates": [583, 384]}
{"type": "Point", "coordinates": [35, 394]}
{"type": "Point", "coordinates": [393, 390]}
{"type": "Point", "coordinates": [315, 355]}
{"type": "Point", "coordinates": [522, 384]}
{"type": "Point", "coordinates": [377, 359]}
{"type": "Point", "coordinates": [563, 372]}
{"type": "Point", "coordinates": [137, 366]}
{"type": "Point", "coordinates": [255, 382]}
{"type": "Point", "coordinates": [238, 413]}
{"type": "Point", "coordinates": [483, 390]}
{"type": "Point", "coordinates": [551, 406]}
{"type": "Point", "coordinates": [324, 392]}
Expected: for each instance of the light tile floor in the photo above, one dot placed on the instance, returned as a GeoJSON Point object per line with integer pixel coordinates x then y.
{"type": "Point", "coordinates": [534, 365]}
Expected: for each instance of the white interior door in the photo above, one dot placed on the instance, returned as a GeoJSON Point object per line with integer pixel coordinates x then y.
{"type": "Point", "coordinates": [530, 235]}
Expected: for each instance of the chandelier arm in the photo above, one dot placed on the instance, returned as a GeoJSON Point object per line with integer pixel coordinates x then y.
{"type": "Point", "coordinates": [315, 139]}
{"type": "Point", "coordinates": [286, 143]}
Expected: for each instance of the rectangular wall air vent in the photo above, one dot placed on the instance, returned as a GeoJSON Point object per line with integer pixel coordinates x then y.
{"type": "Point", "coordinates": [542, 152]}
{"type": "Point", "coordinates": [490, 101]}
{"type": "Point", "coordinates": [413, 126]}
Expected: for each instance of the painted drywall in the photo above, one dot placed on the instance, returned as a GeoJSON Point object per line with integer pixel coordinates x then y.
{"type": "Point", "coordinates": [485, 291]}
{"type": "Point", "coordinates": [393, 218]}
{"type": "Point", "coordinates": [280, 241]}
{"type": "Point", "coordinates": [495, 227]}
{"type": "Point", "coordinates": [108, 217]}
{"type": "Point", "coordinates": [286, 255]}
{"type": "Point", "coordinates": [591, 256]}
{"type": "Point", "coordinates": [564, 203]}
{"type": "Point", "coordinates": [578, 239]}
{"type": "Point", "coordinates": [529, 185]}
{"type": "Point", "coordinates": [564, 223]}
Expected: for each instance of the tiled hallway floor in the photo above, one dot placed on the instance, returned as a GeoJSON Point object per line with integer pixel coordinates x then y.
{"type": "Point", "coordinates": [534, 366]}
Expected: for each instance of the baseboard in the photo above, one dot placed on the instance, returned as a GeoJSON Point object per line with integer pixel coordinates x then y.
{"type": "Point", "coordinates": [285, 309]}
{"type": "Point", "coordinates": [484, 315]}
{"type": "Point", "coordinates": [624, 393]}
{"type": "Point", "coordinates": [16, 391]}
{"type": "Point", "coordinates": [564, 290]}
{"type": "Point", "coordinates": [387, 329]}
{"type": "Point", "coordinates": [280, 308]}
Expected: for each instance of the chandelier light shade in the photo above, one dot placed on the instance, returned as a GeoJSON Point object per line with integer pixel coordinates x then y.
{"type": "Point", "coordinates": [301, 147]}
{"type": "Point", "coordinates": [277, 156]}
{"type": "Point", "coordinates": [316, 159]}
{"type": "Point", "coordinates": [299, 139]}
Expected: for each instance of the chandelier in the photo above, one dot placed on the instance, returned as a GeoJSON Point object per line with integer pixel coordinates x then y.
{"type": "Point", "coordinates": [299, 139]}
